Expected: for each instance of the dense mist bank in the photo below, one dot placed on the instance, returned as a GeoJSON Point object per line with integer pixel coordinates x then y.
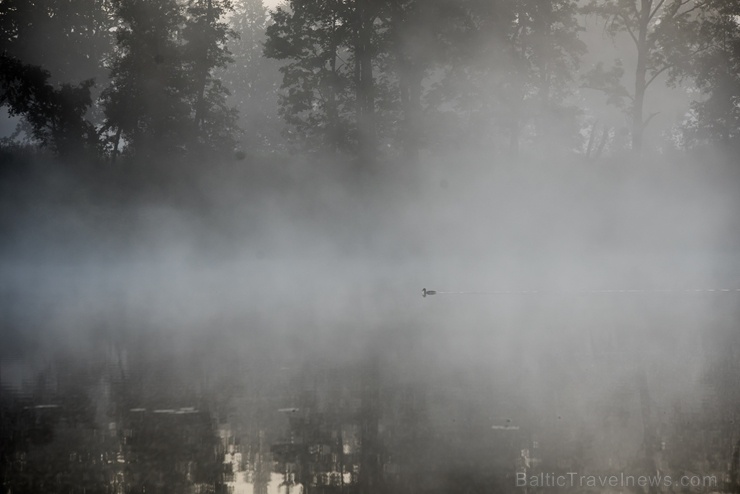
{"type": "Point", "coordinates": [296, 248]}
{"type": "Point", "coordinates": [232, 287]}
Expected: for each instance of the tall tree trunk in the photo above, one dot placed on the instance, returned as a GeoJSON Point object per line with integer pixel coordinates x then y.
{"type": "Point", "coordinates": [365, 90]}
{"type": "Point", "coordinates": [116, 144]}
{"type": "Point", "coordinates": [410, 77]}
{"type": "Point", "coordinates": [546, 121]}
{"type": "Point", "coordinates": [638, 125]}
{"type": "Point", "coordinates": [332, 112]}
{"type": "Point", "coordinates": [412, 111]}
{"type": "Point", "coordinates": [203, 74]}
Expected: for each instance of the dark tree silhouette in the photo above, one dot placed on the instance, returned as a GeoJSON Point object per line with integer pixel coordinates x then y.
{"type": "Point", "coordinates": [56, 115]}
{"type": "Point", "coordinates": [163, 99]}
{"type": "Point", "coordinates": [69, 38]}
{"type": "Point", "coordinates": [205, 34]}
{"type": "Point", "coordinates": [252, 79]}
{"type": "Point", "coordinates": [654, 26]}
{"type": "Point", "coordinates": [319, 99]}
{"type": "Point", "coordinates": [716, 70]}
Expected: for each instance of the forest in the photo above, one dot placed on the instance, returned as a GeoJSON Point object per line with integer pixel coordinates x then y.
{"type": "Point", "coordinates": [369, 246]}
{"type": "Point", "coordinates": [135, 81]}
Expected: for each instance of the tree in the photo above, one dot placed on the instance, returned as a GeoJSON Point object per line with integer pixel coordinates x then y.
{"type": "Point", "coordinates": [318, 100]}
{"type": "Point", "coordinates": [413, 45]}
{"type": "Point", "coordinates": [337, 77]}
{"type": "Point", "coordinates": [69, 38]}
{"type": "Point", "coordinates": [144, 103]}
{"type": "Point", "coordinates": [716, 71]}
{"type": "Point", "coordinates": [544, 50]}
{"type": "Point", "coordinates": [56, 115]}
{"type": "Point", "coordinates": [206, 34]}
{"type": "Point", "coordinates": [461, 98]}
{"type": "Point", "coordinates": [508, 67]}
{"type": "Point", "coordinates": [362, 22]}
{"type": "Point", "coordinates": [655, 28]}
{"type": "Point", "coordinates": [163, 98]}
{"type": "Point", "coordinates": [252, 79]}
{"type": "Point", "coordinates": [472, 62]}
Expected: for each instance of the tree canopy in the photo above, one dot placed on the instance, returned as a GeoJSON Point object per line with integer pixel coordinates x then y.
{"type": "Point", "coordinates": [366, 80]}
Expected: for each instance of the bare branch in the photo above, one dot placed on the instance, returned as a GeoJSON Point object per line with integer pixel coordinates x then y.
{"type": "Point", "coordinates": [650, 117]}
{"type": "Point", "coordinates": [704, 48]}
{"type": "Point", "coordinates": [685, 12]}
{"type": "Point", "coordinates": [655, 10]}
{"type": "Point", "coordinates": [629, 30]}
{"type": "Point", "coordinates": [656, 74]}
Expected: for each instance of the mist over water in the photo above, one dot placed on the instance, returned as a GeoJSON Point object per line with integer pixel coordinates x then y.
{"type": "Point", "coordinates": [248, 289]}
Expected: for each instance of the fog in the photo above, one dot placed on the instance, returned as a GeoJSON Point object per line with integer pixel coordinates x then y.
{"type": "Point", "coordinates": [585, 316]}
{"type": "Point", "coordinates": [330, 274]}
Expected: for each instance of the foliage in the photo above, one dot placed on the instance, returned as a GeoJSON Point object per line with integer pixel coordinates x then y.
{"type": "Point", "coordinates": [163, 98]}
{"type": "Point", "coordinates": [319, 79]}
{"type": "Point", "coordinates": [144, 103]}
{"type": "Point", "coordinates": [508, 66]}
{"type": "Point", "coordinates": [716, 72]}
{"type": "Point", "coordinates": [252, 79]}
{"type": "Point", "coordinates": [658, 30]}
{"type": "Point", "coordinates": [56, 115]}
{"type": "Point", "coordinates": [205, 35]}
{"type": "Point", "coordinates": [70, 38]}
